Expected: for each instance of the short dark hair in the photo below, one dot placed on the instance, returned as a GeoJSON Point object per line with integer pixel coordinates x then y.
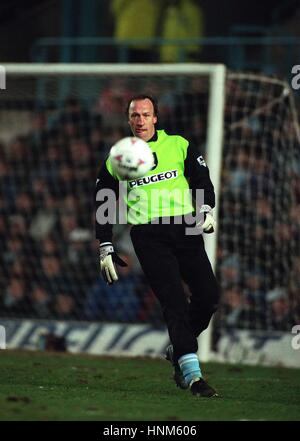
{"type": "Point", "coordinates": [143, 97]}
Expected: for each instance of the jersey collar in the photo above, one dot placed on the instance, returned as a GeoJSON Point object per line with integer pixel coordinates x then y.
{"type": "Point", "coordinates": [154, 137]}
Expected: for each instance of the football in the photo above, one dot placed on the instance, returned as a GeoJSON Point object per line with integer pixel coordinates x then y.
{"type": "Point", "coordinates": [131, 158]}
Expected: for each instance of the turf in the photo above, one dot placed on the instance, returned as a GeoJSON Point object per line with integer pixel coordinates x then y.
{"type": "Point", "coordinates": [43, 386]}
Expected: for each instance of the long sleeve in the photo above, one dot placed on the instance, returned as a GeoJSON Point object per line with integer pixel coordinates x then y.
{"type": "Point", "coordinates": [105, 182]}
{"type": "Point", "coordinates": [197, 173]}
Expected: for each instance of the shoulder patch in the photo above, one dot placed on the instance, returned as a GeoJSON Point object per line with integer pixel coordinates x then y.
{"type": "Point", "coordinates": [201, 161]}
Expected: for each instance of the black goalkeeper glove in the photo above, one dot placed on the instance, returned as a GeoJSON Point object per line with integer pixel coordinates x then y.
{"type": "Point", "coordinates": [209, 224]}
{"type": "Point", "coordinates": [108, 259]}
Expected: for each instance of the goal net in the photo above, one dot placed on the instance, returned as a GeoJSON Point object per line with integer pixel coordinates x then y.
{"type": "Point", "coordinates": [57, 125]}
{"type": "Point", "coordinates": [259, 223]}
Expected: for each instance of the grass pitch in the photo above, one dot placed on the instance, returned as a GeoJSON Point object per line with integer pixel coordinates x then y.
{"type": "Point", "coordinates": [41, 386]}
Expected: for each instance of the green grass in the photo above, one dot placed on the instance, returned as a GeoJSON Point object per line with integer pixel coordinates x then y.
{"type": "Point", "coordinates": [52, 386]}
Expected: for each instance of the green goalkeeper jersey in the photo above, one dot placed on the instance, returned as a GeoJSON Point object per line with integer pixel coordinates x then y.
{"type": "Point", "coordinates": [164, 190]}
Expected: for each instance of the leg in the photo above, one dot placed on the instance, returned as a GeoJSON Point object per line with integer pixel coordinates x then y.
{"type": "Point", "coordinates": [197, 272]}
{"type": "Point", "coordinates": [154, 249]}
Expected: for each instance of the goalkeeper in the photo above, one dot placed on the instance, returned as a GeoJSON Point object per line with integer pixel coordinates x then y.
{"type": "Point", "coordinates": [166, 252]}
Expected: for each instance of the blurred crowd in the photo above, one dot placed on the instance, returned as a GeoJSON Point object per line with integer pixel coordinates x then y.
{"type": "Point", "coordinates": [138, 22]}
{"type": "Point", "coordinates": [259, 241]}
{"type": "Point", "coordinates": [49, 262]}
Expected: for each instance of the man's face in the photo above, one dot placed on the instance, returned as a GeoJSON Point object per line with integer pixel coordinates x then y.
{"type": "Point", "coordinates": [141, 119]}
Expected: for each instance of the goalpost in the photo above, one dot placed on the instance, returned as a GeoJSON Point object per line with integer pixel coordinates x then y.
{"type": "Point", "coordinates": [57, 122]}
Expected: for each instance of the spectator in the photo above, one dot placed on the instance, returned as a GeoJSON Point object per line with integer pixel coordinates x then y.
{"type": "Point", "coordinates": [13, 250]}
{"type": "Point", "coordinates": [195, 97]}
{"type": "Point", "coordinates": [136, 19]}
{"type": "Point", "coordinates": [230, 271]}
{"type": "Point", "coordinates": [19, 157]}
{"type": "Point", "coordinates": [18, 226]}
{"type": "Point", "coordinates": [111, 101]}
{"type": "Point", "coordinates": [183, 19]}
{"type": "Point", "coordinates": [73, 121]}
{"type": "Point", "coordinates": [280, 315]}
{"type": "Point", "coordinates": [237, 311]}
{"type": "Point", "coordinates": [98, 144]}
{"type": "Point", "coordinates": [53, 277]}
{"type": "Point", "coordinates": [65, 306]}
{"type": "Point", "coordinates": [67, 223]}
{"type": "Point", "coordinates": [15, 302]}
{"type": "Point", "coordinates": [49, 247]}
{"type": "Point", "coordinates": [24, 205]}
{"type": "Point", "coordinates": [49, 167]}
{"type": "Point", "coordinates": [66, 179]}
{"type": "Point", "coordinates": [80, 259]}
{"type": "Point", "coordinates": [45, 219]}
{"type": "Point", "coordinates": [40, 302]}
{"type": "Point", "coordinates": [38, 137]}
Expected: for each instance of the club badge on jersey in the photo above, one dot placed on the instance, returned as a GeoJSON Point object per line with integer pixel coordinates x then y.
{"type": "Point", "coordinates": [201, 161]}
